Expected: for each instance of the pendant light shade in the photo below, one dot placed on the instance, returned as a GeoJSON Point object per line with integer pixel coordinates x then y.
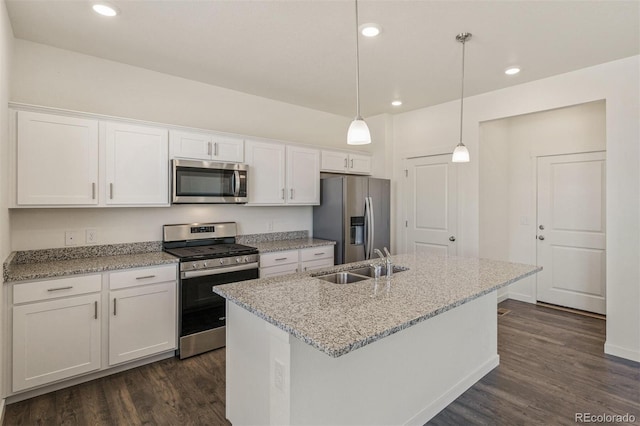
{"type": "Point", "coordinates": [358, 133]}
{"type": "Point", "coordinates": [461, 153]}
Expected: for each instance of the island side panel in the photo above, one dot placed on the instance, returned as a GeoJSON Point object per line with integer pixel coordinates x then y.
{"type": "Point", "coordinates": [405, 378]}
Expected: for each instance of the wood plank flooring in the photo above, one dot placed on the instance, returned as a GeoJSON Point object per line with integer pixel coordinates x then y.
{"type": "Point", "coordinates": [551, 366]}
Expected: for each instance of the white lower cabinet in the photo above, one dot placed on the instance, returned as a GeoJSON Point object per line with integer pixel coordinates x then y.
{"type": "Point", "coordinates": [57, 324]}
{"type": "Point", "coordinates": [56, 339]}
{"type": "Point", "coordinates": [292, 261]}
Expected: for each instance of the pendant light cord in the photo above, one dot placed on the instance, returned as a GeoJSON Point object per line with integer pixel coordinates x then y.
{"type": "Point", "coordinates": [358, 117]}
{"type": "Point", "coordinates": [462, 89]}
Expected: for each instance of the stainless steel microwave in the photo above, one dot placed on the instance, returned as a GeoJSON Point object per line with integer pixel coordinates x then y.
{"type": "Point", "coordinates": [208, 182]}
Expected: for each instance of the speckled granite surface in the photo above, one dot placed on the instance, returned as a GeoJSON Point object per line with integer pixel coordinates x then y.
{"type": "Point", "coordinates": [271, 236]}
{"type": "Point", "coordinates": [293, 244]}
{"type": "Point", "coordinates": [49, 263]}
{"type": "Point", "coordinates": [339, 318]}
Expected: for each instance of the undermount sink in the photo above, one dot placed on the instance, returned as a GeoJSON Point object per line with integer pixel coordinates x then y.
{"type": "Point", "coordinates": [369, 271]}
{"type": "Point", "coordinates": [342, 278]}
{"type": "Point", "coordinates": [357, 274]}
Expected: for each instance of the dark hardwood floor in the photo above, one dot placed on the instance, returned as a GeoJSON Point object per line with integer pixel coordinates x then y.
{"type": "Point", "coordinates": [551, 366]}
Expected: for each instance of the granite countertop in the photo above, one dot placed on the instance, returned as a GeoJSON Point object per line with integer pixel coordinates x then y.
{"type": "Point", "coordinates": [51, 263]}
{"type": "Point", "coordinates": [293, 244]}
{"type": "Point", "coordinates": [339, 318]}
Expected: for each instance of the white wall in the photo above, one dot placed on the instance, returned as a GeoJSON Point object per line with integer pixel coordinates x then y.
{"type": "Point", "coordinates": [44, 75]}
{"type": "Point", "coordinates": [507, 190]}
{"type": "Point", "coordinates": [615, 82]}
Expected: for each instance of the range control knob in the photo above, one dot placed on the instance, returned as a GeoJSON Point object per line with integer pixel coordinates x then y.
{"type": "Point", "coordinates": [194, 266]}
{"type": "Point", "coordinates": [238, 260]}
{"type": "Point", "coordinates": [222, 261]}
{"type": "Point", "coordinates": [246, 259]}
{"type": "Point", "coordinates": [204, 264]}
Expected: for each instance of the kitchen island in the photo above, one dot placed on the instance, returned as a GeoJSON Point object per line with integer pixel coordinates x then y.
{"type": "Point", "coordinates": [301, 350]}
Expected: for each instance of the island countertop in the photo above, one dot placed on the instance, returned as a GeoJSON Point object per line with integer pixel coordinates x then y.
{"type": "Point", "coordinates": [339, 318]}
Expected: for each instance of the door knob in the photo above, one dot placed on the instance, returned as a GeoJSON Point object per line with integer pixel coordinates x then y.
{"type": "Point", "coordinates": [452, 238]}
{"type": "Point", "coordinates": [541, 237]}
{"type": "Point", "coordinates": [541, 227]}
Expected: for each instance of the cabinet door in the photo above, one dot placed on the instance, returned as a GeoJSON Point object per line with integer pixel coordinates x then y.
{"type": "Point", "coordinates": [334, 161]}
{"type": "Point", "coordinates": [226, 149]}
{"type": "Point", "coordinates": [190, 145]}
{"type": "Point", "coordinates": [142, 321]}
{"type": "Point", "coordinates": [54, 340]}
{"type": "Point", "coordinates": [137, 165]}
{"type": "Point", "coordinates": [360, 164]}
{"type": "Point", "coordinates": [266, 183]}
{"type": "Point", "coordinates": [303, 175]}
{"type": "Point", "coordinates": [57, 160]}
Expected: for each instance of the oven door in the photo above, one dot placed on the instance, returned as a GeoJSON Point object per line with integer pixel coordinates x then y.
{"type": "Point", "coordinates": [200, 308]}
{"type": "Point", "coordinates": [196, 182]}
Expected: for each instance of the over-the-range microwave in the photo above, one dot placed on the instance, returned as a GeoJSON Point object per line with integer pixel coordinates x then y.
{"type": "Point", "coordinates": [208, 182]}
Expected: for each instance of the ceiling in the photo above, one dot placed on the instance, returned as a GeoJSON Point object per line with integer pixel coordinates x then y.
{"type": "Point", "coordinates": [303, 51]}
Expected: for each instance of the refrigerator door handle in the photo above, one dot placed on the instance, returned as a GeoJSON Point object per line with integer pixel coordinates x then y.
{"type": "Point", "coordinates": [372, 228]}
{"type": "Point", "coordinates": [366, 228]}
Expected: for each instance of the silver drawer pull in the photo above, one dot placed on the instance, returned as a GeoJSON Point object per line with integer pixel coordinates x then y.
{"type": "Point", "coordinates": [60, 288]}
{"type": "Point", "coordinates": [318, 254]}
{"type": "Point", "coordinates": [281, 258]}
{"type": "Point", "coordinates": [95, 310]}
{"type": "Point", "coordinates": [145, 277]}
{"type": "Point", "coordinates": [115, 306]}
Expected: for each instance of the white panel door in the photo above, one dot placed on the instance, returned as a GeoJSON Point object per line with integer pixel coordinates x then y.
{"type": "Point", "coordinates": [571, 231]}
{"type": "Point", "coordinates": [266, 175]}
{"type": "Point", "coordinates": [57, 160]}
{"type": "Point", "coordinates": [142, 321]}
{"type": "Point", "coordinates": [54, 340]}
{"type": "Point", "coordinates": [137, 165]}
{"type": "Point", "coordinates": [431, 195]}
{"type": "Point", "coordinates": [190, 145]}
{"type": "Point", "coordinates": [303, 175]}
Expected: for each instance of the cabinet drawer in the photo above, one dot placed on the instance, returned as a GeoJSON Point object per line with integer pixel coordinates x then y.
{"type": "Point", "coordinates": [51, 289]}
{"type": "Point", "coordinates": [312, 265]}
{"type": "Point", "coordinates": [142, 276]}
{"type": "Point", "coordinates": [316, 253]}
{"type": "Point", "coordinates": [274, 271]}
{"type": "Point", "coordinates": [278, 258]}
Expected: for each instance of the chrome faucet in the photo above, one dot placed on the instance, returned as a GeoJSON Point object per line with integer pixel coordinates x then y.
{"type": "Point", "coordinates": [387, 260]}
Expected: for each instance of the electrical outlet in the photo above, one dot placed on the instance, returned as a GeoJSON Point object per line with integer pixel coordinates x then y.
{"type": "Point", "coordinates": [71, 238]}
{"type": "Point", "coordinates": [91, 236]}
{"type": "Point", "coordinates": [278, 375]}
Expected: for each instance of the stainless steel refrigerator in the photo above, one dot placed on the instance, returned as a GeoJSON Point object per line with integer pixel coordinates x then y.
{"type": "Point", "coordinates": [354, 211]}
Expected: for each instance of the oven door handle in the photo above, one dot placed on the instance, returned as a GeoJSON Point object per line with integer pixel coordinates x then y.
{"type": "Point", "coordinates": [218, 271]}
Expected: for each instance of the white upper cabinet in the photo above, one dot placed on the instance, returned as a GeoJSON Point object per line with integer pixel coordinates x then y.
{"type": "Point", "coordinates": [57, 160]}
{"type": "Point", "coordinates": [303, 175]}
{"type": "Point", "coordinates": [344, 162]}
{"type": "Point", "coordinates": [137, 165]}
{"type": "Point", "coordinates": [206, 146]}
{"type": "Point", "coordinates": [266, 175]}
{"type": "Point", "coordinates": [281, 174]}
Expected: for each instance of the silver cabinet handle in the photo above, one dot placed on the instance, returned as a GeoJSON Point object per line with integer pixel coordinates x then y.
{"type": "Point", "coordinates": [208, 148]}
{"type": "Point", "coordinates": [352, 164]}
{"type": "Point", "coordinates": [115, 310]}
{"type": "Point", "coordinates": [283, 193]}
{"type": "Point", "coordinates": [145, 277]}
{"type": "Point", "coordinates": [318, 254]}
{"type": "Point", "coordinates": [93, 190]}
{"type": "Point", "coordinates": [345, 163]}
{"type": "Point", "coordinates": [215, 149]}
{"type": "Point", "coordinates": [60, 288]}
{"type": "Point", "coordinates": [281, 259]}
{"type": "Point", "coordinates": [291, 193]}
{"type": "Point", "coordinates": [541, 237]}
{"type": "Point", "coordinates": [452, 238]}
{"type": "Point", "coordinates": [95, 310]}
{"type": "Point", "coordinates": [111, 191]}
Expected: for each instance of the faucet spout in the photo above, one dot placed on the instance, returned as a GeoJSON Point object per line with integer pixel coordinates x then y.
{"type": "Point", "coordinates": [379, 253]}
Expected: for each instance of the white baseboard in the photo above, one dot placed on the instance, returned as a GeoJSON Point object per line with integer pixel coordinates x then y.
{"type": "Point", "coordinates": [621, 352]}
{"type": "Point", "coordinates": [458, 389]}
{"type": "Point", "coordinates": [503, 297]}
{"type": "Point", "coordinates": [522, 297]}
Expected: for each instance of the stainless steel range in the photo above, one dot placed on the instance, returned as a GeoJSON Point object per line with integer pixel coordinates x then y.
{"type": "Point", "coordinates": [209, 256]}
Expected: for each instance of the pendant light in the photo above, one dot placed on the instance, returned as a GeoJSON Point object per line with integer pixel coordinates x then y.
{"type": "Point", "coordinates": [461, 153]}
{"type": "Point", "coordinates": [358, 133]}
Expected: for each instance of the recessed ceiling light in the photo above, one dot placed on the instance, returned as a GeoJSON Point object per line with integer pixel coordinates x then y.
{"type": "Point", "coordinates": [512, 70]}
{"type": "Point", "coordinates": [370, 30]}
{"type": "Point", "coordinates": [105, 10]}
{"type": "Point", "coordinates": [396, 103]}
